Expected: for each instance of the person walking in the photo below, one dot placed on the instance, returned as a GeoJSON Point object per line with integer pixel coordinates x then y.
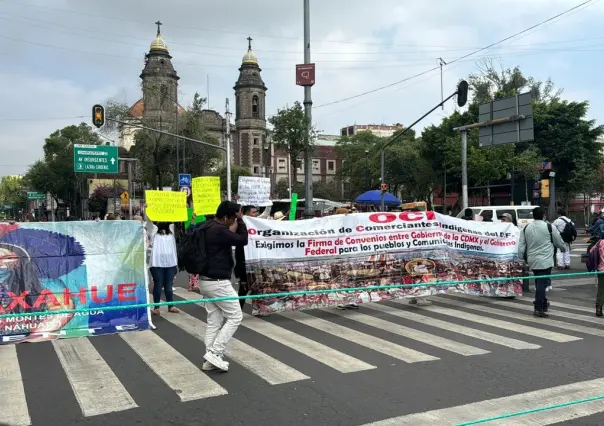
{"type": "Point", "coordinates": [536, 246]}
{"type": "Point", "coordinates": [568, 232]}
{"type": "Point", "coordinates": [163, 265]}
{"type": "Point", "coordinates": [222, 233]}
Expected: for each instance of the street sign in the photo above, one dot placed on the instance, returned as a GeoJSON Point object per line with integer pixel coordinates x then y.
{"type": "Point", "coordinates": [513, 131]}
{"type": "Point", "coordinates": [125, 198]}
{"type": "Point", "coordinates": [36, 196]}
{"type": "Point", "coordinates": [95, 159]}
{"type": "Point", "coordinates": [186, 189]}
{"type": "Point", "coordinates": [184, 179]}
{"type": "Point", "coordinates": [305, 74]}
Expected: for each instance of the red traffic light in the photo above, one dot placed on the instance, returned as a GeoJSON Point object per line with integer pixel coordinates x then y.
{"type": "Point", "coordinates": [98, 116]}
{"type": "Point", "coordinates": [384, 187]}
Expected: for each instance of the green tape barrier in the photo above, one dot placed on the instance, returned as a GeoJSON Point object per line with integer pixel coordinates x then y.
{"type": "Point", "coordinates": [534, 410]}
{"type": "Point", "coordinates": [297, 293]}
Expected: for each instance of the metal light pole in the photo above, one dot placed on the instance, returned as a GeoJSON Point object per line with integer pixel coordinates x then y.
{"type": "Point", "coordinates": [464, 168]}
{"type": "Point", "coordinates": [382, 180]}
{"type": "Point", "coordinates": [308, 199]}
{"type": "Point", "coordinates": [227, 141]}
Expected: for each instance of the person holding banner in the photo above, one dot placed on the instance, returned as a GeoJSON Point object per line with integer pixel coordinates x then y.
{"type": "Point", "coordinates": [221, 234]}
{"type": "Point", "coordinates": [163, 265]}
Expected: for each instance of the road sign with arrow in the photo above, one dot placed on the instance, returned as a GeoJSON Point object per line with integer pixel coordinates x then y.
{"type": "Point", "coordinates": [95, 159]}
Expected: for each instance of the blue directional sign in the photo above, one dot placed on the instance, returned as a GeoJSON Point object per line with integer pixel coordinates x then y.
{"type": "Point", "coordinates": [184, 179]}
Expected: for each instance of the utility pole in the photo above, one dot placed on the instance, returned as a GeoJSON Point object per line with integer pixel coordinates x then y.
{"type": "Point", "coordinates": [309, 210]}
{"type": "Point", "coordinates": [227, 142]}
{"type": "Point", "coordinates": [464, 169]}
{"type": "Point", "coordinates": [441, 62]}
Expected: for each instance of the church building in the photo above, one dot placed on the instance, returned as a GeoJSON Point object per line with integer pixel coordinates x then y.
{"type": "Point", "coordinates": [159, 107]}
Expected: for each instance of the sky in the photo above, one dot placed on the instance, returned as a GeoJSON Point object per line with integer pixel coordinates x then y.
{"type": "Point", "coordinates": [59, 57]}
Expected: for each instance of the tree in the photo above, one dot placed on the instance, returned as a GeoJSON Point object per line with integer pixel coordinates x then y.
{"type": "Point", "coordinates": [526, 165]}
{"type": "Point", "coordinates": [327, 190]}
{"type": "Point", "coordinates": [282, 189]}
{"type": "Point", "coordinates": [360, 156]}
{"type": "Point", "coordinates": [157, 152]}
{"type": "Point", "coordinates": [54, 173]}
{"type": "Point", "coordinates": [101, 195]}
{"type": "Point", "coordinates": [199, 159]}
{"type": "Point", "coordinates": [12, 192]}
{"type": "Point", "coordinates": [236, 171]}
{"type": "Point", "coordinates": [291, 133]}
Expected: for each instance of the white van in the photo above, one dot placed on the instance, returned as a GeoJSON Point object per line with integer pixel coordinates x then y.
{"type": "Point", "coordinates": [523, 215]}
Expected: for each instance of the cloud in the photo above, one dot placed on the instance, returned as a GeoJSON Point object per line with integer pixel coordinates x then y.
{"type": "Point", "coordinates": [62, 56]}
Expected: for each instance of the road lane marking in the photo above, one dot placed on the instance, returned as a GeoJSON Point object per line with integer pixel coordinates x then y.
{"type": "Point", "coordinates": [180, 374]}
{"type": "Point", "coordinates": [13, 404]}
{"type": "Point", "coordinates": [374, 343]}
{"type": "Point", "coordinates": [315, 350]}
{"type": "Point", "coordinates": [455, 328]}
{"type": "Point", "coordinates": [413, 334]}
{"type": "Point", "coordinates": [577, 328]}
{"type": "Point", "coordinates": [267, 368]}
{"type": "Point", "coordinates": [514, 404]}
{"type": "Point", "coordinates": [491, 322]}
{"type": "Point", "coordinates": [561, 305]}
{"type": "Point", "coordinates": [95, 386]}
{"type": "Point", "coordinates": [312, 349]}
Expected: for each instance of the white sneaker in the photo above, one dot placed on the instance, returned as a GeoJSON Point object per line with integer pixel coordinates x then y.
{"type": "Point", "coordinates": [208, 366]}
{"type": "Point", "coordinates": [217, 361]}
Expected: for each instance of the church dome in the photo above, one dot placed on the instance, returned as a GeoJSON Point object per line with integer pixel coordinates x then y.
{"type": "Point", "coordinates": [249, 58]}
{"type": "Point", "coordinates": [159, 43]}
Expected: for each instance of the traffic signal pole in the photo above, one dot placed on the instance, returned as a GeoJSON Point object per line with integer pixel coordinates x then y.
{"type": "Point", "coordinates": [398, 136]}
{"type": "Point", "coordinates": [224, 149]}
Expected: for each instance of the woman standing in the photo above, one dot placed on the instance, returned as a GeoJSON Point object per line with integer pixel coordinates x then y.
{"type": "Point", "coordinates": [163, 265]}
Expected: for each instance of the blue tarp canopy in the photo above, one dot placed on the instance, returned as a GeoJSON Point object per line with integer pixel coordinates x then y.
{"type": "Point", "coordinates": [375, 197]}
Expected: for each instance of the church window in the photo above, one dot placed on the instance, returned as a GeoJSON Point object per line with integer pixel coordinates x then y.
{"type": "Point", "coordinates": [163, 93]}
{"type": "Point", "coordinates": [255, 108]}
{"type": "Point", "coordinates": [255, 141]}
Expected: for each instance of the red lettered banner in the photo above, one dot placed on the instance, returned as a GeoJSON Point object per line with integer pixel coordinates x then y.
{"type": "Point", "coordinates": [373, 249]}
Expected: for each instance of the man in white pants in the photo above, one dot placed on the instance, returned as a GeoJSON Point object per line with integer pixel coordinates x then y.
{"type": "Point", "coordinates": [221, 234]}
{"type": "Point", "coordinates": [563, 259]}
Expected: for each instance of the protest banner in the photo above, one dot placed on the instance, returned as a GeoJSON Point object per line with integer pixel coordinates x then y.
{"type": "Point", "coordinates": [166, 206]}
{"type": "Point", "coordinates": [377, 249]}
{"type": "Point", "coordinates": [71, 265]}
{"type": "Point", "coordinates": [206, 194]}
{"type": "Point", "coordinates": [254, 191]}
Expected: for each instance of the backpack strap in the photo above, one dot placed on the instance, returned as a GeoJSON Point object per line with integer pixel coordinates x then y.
{"type": "Point", "coordinates": [549, 228]}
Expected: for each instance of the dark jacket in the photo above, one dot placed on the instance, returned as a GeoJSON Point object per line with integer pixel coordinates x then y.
{"type": "Point", "coordinates": [219, 242]}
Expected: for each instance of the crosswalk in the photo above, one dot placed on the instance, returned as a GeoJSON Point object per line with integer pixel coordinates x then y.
{"type": "Point", "coordinates": [385, 333]}
{"type": "Point", "coordinates": [577, 249]}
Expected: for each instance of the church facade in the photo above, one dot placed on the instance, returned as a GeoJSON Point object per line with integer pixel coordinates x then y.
{"type": "Point", "coordinates": [159, 107]}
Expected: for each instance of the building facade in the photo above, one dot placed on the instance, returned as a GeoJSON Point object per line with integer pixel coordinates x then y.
{"type": "Point", "coordinates": [251, 146]}
{"type": "Point", "coordinates": [380, 130]}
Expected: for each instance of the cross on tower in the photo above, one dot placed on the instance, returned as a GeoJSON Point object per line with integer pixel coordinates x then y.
{"type": "Point", "coordinates": [158, 23]}
{"type": "Point", "coordinates": [249, 43]}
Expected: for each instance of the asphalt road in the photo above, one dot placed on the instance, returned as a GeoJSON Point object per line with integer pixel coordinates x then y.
{"type": "Point", "coordinates": [325, 367]}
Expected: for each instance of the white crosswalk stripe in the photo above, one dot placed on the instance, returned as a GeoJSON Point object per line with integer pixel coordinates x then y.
{"type": "Point", "coordinates": [174, 369]}
{"type": "Point", "coordinates": [96, 387]}
{"type": "Point", "coordinates": [12, 395]}
{"type": "Point", "coordinates": [491, 322]}
{"type": "Point", "coordinates": [380, 345]}
{"type": "Point", "coordinates": [100, 389]}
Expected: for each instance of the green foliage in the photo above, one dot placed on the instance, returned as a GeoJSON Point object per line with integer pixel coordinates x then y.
{"type": "Point", "coordinates": [326, 190]}
{"type": "Point", "coordinates": [12, 191]}
{"type": "Point", "coordinates": [290, 133]}
{"type": "Point", "coordinates": [54, 173]}
{"type": "Point", "coordinates": [282, 192]}
{"type": "Point", "coordinates": [157, 153]}
{"type": "Point", "coordinates": [236, 171]}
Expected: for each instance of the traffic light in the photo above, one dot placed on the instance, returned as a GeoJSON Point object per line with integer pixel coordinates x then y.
{"type": "Point", "coordinates": [384, 187]}
{"type": "Point", "coordinates": [462, 93]}
{"type": "Point", "coordinates": [98, 116]}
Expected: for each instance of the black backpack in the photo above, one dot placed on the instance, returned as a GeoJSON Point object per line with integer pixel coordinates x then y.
{"type": "Point", "coordinates": [569, 233]}
{"type": "Point", "coordinates": [192, 256]}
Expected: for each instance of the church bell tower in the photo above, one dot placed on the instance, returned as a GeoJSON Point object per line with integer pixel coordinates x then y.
{"type": "Point", "coordinates": [250, 119]}
{"type": "Point", "coordinates": [160, 85]}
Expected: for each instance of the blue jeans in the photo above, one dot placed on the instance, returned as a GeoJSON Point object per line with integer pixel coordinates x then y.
{"type": "Point", "coordinates": [163, 278]}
